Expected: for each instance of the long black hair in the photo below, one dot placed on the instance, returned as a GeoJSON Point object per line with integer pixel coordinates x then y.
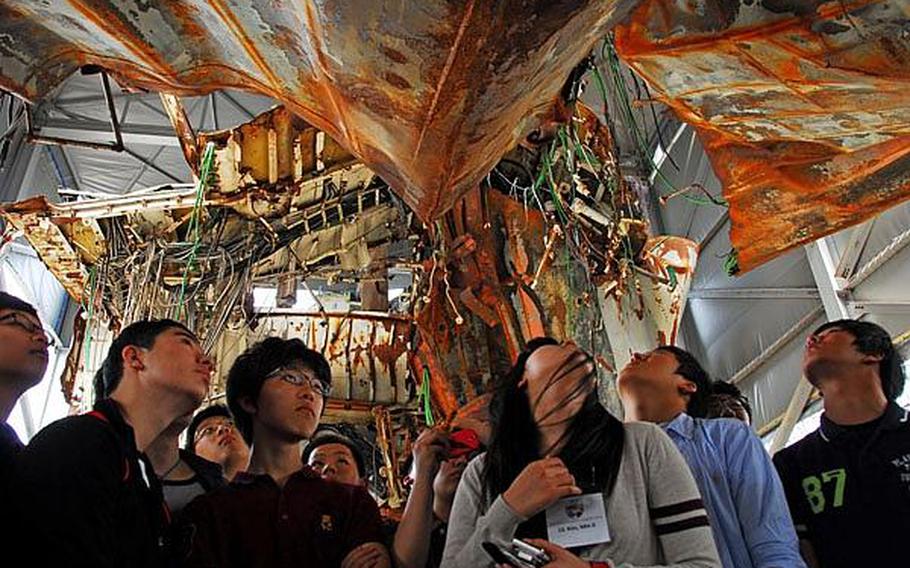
{"type": "Point", "coordinates": [593, 441]}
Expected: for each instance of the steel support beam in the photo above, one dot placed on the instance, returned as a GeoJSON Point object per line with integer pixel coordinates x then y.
{"type": "Point", "coordinates": [214, 109]}
{"type": "Point", "coordinates": [661, 154]}
{"type": "Point", "coordinates": [849, 259]}
{"type": "Point", "coordinates": [99, 132]}
{"type": "Point", "coordinates": [230, 98]}
{"type": "Point", "coordinates": [754, 294]}
{"type": "Point", "coordinates": [794, 411]}
{"type": "Point", "coordinates": [884, 307]}
{"type": "Point", "coordinates": [114, 206]}
{"type": "Point", "coordinates": [823, 268]}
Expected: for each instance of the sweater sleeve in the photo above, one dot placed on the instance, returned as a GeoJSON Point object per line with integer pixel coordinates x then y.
{"type": "Point", "coordinates": [675, 506]}
{"type": "Point", "coordinates": [470, 525]}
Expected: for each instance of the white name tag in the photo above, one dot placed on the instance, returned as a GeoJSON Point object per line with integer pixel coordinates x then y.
{"type": "Point", "coordinates": [578, 521]}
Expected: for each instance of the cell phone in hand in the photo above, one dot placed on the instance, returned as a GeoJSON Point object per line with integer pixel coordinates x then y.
{"type": "Point", "coordinates": [519, 556]}
{"type": "Point", "coordinates": [529, 553]}
{"type": "Point", "coordinates": [504, 557]}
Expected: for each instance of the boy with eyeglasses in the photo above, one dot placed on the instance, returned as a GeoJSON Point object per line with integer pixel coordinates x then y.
{"type": "Point", "coordinates": [212, 435]}
{"type": "Point", "coordinates": [23, 360]}
{"type": "Point", "coordinates": [280, 512]}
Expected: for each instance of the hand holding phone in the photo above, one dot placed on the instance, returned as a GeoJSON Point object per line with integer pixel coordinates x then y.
{"type": "Point", "coordinates": [520, 554]}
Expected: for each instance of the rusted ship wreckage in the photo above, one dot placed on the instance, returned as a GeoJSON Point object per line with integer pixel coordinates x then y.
{"type": "Point", "coordinates": [486, 160]}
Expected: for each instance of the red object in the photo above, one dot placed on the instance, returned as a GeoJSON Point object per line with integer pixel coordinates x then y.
{"type": "Point", "coordinates": [463, 442]}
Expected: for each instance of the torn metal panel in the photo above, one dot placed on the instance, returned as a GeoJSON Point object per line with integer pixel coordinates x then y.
{"type": "Point", "coordinates": [427, 95]}
{"type": "Point", "coordinates": [478, 309]}
{"type": "Point", "coordinates": [647, 311]}
{"type": "Point", "coordinates": [801, 105]}
{"type": "Point", "coordinates": [64, 244]}
{"type": "Point", "coordinates": [277, 162]}
{"type": "Point", "coordinates": [348, 241]}
{"type": "Point", "coordinates": [366, 351]}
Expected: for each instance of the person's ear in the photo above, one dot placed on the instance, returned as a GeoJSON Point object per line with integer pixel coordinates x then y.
{"type": "Point", "coordinates": [871, 359]}
{"type": "Point", "coordinates": [687, 388]}
{"type": "Point", "coordinates": [133, 357]}
{"type": "Point", "coordinates": [247, 404]}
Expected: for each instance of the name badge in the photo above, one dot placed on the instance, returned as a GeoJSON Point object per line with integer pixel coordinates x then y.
{"type": "Point", "coordinates": [578, 521]}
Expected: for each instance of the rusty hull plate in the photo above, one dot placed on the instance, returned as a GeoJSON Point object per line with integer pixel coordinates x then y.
{"type": "Point", "coordinates": [428, 94]}
{"type": "Point", "coordinates": [63, 243]}
{"type": "Point", "coordinates": [803, 109]}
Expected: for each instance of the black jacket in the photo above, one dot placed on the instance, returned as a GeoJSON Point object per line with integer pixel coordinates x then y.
{"type": "Point", "coordinates": [10, 447]}
{"type": "Point", "coordinates": [90, 497]}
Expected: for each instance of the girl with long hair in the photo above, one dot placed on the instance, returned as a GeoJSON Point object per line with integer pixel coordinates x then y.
{"type": "Point", "coordinates": [552, 439]}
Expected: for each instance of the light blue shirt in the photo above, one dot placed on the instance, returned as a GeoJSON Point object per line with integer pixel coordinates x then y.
{"type": "Point", "coordinates": [741, 492]}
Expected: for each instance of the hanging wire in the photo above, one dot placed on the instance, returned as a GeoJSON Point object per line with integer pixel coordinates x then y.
{"type": "Point", "coordinates": [627, 115]}
{"type": "Point", "coordinates": [194, 226]}
{"type": "Point", "coordinates": [424, 398]}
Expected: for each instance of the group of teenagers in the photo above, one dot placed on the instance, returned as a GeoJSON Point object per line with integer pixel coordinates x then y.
{"type": "Point", "coordinates": [255, 485]}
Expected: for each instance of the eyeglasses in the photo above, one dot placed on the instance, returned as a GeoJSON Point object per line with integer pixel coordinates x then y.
{"type": "Point", "coordinates": [15, 319]}
{"type": "Point", "coordinates": [299, 378]}
{"type": "Point", "coordinates": [214, 430]}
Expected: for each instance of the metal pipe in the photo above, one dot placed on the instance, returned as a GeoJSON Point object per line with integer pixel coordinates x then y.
{"type": "Point", "coordinates": [112, 112]}
{"type": "Point", "coordinates": [36, 138]}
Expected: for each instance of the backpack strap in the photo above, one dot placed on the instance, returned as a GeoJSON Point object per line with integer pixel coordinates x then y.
{"type": "Point", "coordinates": [98, 415]}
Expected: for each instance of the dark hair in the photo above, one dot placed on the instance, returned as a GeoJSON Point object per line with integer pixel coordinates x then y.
{"type": "Point", "coordinates": [721, 389]}
{"type": "Point", "coordinates": [872, 339]}
{"type": "Point", "coordinates": [594, 439]}
{"type": "Point", "coordinates": [208, 412]}
{"type": "Point", "coordinates": [10, 302]}
{"type": "Point", "coordinates": [691, 369]}
{"type": "Point", "coordinates": [139, 334]}
{"type": "Point", "coordinates": [251, 368]}
{"type": "Point", "coordinates": [328, 437]}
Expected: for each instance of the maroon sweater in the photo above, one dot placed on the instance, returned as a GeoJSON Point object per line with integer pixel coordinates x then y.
{"type": "Point", "coordinates": [255, 523]}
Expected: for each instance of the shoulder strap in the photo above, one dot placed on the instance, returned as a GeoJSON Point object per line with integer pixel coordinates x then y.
{"type": "Point", "coordinates": [98, 415]}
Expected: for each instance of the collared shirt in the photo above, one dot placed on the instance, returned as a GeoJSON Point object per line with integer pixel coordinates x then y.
{"type": "Point", "coordinates": [849, 490]}
{"type": "Point", "coordinates": [253, 522]}
{"type": "Point", "coordinates": [90, 497]}
{"type": "Point", "coordinates": [741, 491]}
{"type": "Point", "coordinates": [207, 476]}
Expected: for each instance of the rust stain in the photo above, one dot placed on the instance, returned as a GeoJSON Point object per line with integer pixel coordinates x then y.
{"type": "Point", "coordinates": [799, 105]}
{"type": "Point", "coordinates": [468, 80]}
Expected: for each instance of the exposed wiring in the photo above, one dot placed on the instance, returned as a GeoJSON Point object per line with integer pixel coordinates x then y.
{"type": "Point", "coordinates": [195, 224]}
